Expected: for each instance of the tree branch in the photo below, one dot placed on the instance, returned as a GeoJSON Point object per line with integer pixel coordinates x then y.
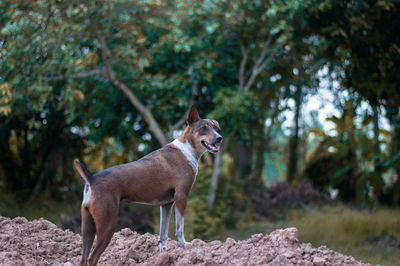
{"type": "Point", "coordinates": [263, 52]}
{"type": "Point", "coordinates": [268, 60]}
{"type": "Point", "coordinates": [97, 71]}
{"type": "Point", "coordinates": [260, 65]}
{"type": "Point", "coordinates": [316, 66]}
{"type": "Point", "coordinates": [242, 67]}
{"type": "Point", "coordinates": [110, 17]}
{"type": "Point", "coordinates": [103, 47]}
{"type": "Point", "coordinates": [144, 111]}
{"type": "Point", "coordinates": [181, 121]}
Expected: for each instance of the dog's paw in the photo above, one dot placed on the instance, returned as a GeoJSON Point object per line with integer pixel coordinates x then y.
{"type": "Point", "coordinates": [163, 248]}
{"type": "Point", "coordinates": [183, 244]}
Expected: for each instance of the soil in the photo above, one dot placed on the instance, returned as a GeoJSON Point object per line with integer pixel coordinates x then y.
{"type": "Point", "coordinates": [40, 242]}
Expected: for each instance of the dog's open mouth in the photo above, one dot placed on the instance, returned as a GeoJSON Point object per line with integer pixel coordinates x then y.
{"type": "Point", "coordinates": [210, 147]}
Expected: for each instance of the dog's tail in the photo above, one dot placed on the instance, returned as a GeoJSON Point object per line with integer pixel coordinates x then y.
{"type": "Point", "coordinates": [85, 174]}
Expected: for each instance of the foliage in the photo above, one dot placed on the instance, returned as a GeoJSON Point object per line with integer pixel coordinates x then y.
{"type": "Point", "coordinates": [212, 226]}
{"type": "Point", "coordinates": [363, 52]}
{"type": "Point", "coordinates": [146, 60]}
{"type": "Point", "coordinates": [36, 146]}
{"type": "Point", "coordinates": [352, 149]}
{"type": "Point", "coordinates": [110, 81]}
{"type": "Point", "coordinates": [6, 96]}
{"type": "Point", "coordinates": [239, 112]}
{"type": "Point", "coordinates": [361, 40]}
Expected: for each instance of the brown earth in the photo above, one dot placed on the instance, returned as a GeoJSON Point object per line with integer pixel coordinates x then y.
{"type": "Point", "coordinates": [40, 242]}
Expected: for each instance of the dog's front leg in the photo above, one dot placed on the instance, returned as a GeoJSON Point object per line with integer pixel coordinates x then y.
{"type": "Point", "coordinates": [180, 206]}
{"type": "Point", "coordinates": [165, 213]}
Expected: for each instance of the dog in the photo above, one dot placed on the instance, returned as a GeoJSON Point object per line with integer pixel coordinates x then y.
{"type": "Point", "coordinates": [163, 178]}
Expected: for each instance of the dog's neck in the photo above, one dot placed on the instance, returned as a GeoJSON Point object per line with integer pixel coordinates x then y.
{"type": "Point", "coordinates": [191, 154]}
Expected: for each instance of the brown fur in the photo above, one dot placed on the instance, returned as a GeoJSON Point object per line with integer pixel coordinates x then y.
{"type": "Point", "coordinates": [159, 178]}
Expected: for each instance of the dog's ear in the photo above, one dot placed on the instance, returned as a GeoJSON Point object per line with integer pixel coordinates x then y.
{"type": "Point", "coordinates": [193, 115]}
{"type": "Point", "coordinates": [216, 124]}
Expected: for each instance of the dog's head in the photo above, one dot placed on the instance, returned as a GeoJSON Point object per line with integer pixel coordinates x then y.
{"type": "Point", "coordinates": [203, 134]}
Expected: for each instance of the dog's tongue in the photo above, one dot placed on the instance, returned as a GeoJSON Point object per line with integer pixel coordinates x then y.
{"type": "Point", "coordinates": [214, 147]}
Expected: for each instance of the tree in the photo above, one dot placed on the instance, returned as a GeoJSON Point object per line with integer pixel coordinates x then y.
{"type": "Point", "coordinates": [358, 39]}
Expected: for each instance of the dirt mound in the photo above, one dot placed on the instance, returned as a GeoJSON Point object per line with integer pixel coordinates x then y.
{"type": "Point", "coordinates": [42, 243]}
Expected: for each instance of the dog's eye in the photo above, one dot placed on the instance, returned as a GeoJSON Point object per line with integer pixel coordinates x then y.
{"type": "Point", "coordinates": [203, 130]}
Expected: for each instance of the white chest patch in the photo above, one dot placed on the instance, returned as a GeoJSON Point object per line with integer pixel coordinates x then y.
{"type": "Point", "coordinates": [189, 153]}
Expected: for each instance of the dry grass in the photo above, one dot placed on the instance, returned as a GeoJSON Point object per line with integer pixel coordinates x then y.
{"type": "Point", "coordinates": [367, 235]}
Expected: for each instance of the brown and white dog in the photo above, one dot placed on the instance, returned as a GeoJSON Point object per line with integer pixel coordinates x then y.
{"type": "Point", "coordinates": [163, 177]}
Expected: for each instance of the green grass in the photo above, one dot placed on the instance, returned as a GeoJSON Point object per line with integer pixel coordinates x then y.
{"type": "Point", "coordinates": [40, 207]}
{"type": "Point", "coordinates": [347, 230]}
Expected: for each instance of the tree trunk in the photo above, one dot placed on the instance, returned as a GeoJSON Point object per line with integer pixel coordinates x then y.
{"type": "Point", "coordinates": [294, 140]}
{"type": "Point", "coordinates": [214, 180]}
{"type": "Point", "coordinates": [244, 159]}
{"type": "Point", "coordinates": [376, 134]}
{"type": "Point", "coordinates": [260, 150]}
{"type": "Point", "coordinates": [396, 190]}
{"type": "Point", "coordinates": [395, 147]}
{"type": "Point", "coordinates": [378, 182]}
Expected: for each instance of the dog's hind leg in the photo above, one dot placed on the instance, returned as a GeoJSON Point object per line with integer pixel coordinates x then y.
{"type": "Point", "coordinates": [88, 233]}
{"type": "Point", "coordinates": [106, 218]}
{"type": "Point", "coordinates": [165, 214]}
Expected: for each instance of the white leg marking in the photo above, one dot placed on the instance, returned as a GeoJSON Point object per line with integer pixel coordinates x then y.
{"type": "Point", "coordinates": [87, 193]}
{"type": "Point", "coordinates": [165, 213]}
{"type": "Point", "coordinates": [179, 224]}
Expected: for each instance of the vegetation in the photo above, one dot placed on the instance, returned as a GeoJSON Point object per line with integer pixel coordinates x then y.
{"type": "Point", "coordinates": [110, 81]}
{"type": "Point", "coordinates": [369, 235]}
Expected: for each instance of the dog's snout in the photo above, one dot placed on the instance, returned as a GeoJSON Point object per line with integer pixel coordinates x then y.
{"type": "Point", "coordinates": [218, 139]}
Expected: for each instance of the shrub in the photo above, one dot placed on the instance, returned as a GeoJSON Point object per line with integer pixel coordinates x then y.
{"type": "Point", "coordinates": [283, 196]}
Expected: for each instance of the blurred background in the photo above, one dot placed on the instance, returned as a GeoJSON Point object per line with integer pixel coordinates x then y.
{"type": "Point", "coordinates": [307, 94]}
